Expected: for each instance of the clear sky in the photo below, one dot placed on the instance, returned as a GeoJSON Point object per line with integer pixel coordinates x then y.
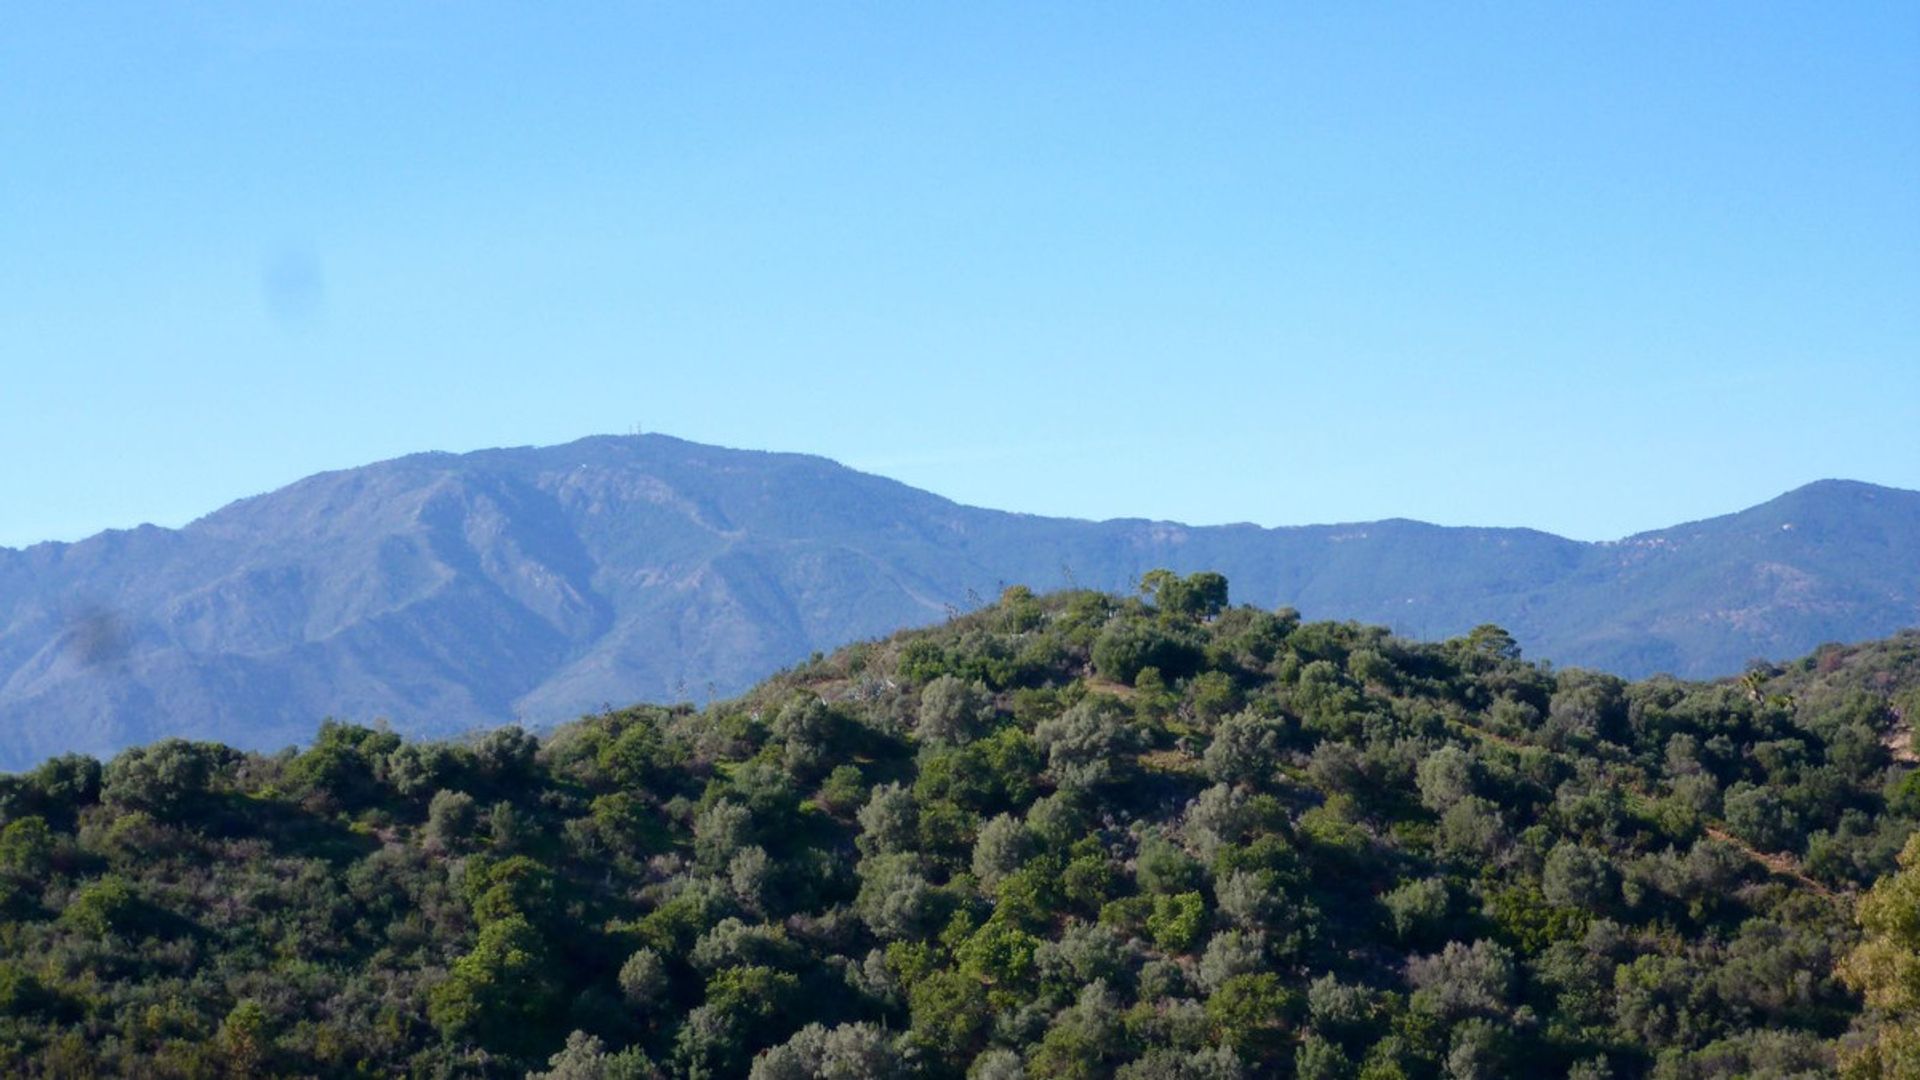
{"type": "Point", "coordinates": [1592, 268]}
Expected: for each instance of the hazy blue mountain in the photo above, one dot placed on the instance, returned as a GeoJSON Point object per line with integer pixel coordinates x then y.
{"type": "Point", "coordinates": [446, 591]}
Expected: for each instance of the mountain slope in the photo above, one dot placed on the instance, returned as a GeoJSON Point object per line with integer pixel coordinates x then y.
{"type": "Point", "coordinates": [447, 591]}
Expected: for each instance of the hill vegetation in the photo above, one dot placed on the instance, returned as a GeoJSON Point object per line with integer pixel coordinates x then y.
{"type": "Point", "coordinates": [1075, 835]}
{"type": "Point", "coordinates": [449, 592]}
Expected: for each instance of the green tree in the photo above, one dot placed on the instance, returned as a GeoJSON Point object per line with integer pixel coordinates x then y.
{"type": "Point", "coordinates": [1130, 644]}
{"type": "Point", "coordinates": [950, 1013]}
{"type": "Point", "coordinates": [245, 1040]}
{"type": "Point", "coordinates": [107, 905]}
{"type": "Point", "coordinates": [1197, 596]}
{"type": "Point", "coordinates": [501, 993]}
{"type": "Point", "coordinates": [169, 779]}
{"type": "Point", "coordinates": [26, 848]}
{"type": "Point", "coordinates": [1580, 877]}
{"type": "Point", "coordinates": [1177, 921]}
{"type": "Point", "coordinates": [952, 711]}
{"type": "Point", "coordinates": [1251, 1013]}
{"type": "Point", "coordinates": [1090, 744]}
{"type": "Point", "coordinates": [585, 1057]}
{"type": "Point", "coordinates": [1885, 970]}
{"type": "Point", "coordinates": [644, 981]}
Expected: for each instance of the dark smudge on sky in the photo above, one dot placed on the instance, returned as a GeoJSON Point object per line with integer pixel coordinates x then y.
{"type": "Point", "coordinates": [294, 289]}
{"type": "Point", "coordinates": [96, 637]}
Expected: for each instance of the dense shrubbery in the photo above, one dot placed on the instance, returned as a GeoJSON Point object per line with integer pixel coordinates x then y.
{"type": "Point", "coordinates": [1064, 836]}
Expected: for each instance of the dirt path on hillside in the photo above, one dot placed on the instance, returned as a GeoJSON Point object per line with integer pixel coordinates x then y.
{"type": "Point", "coordinates": [1783, 865]}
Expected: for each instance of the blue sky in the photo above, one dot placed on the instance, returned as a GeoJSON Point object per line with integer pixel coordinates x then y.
{"type": "Point", "coordinates": [1590, 268]}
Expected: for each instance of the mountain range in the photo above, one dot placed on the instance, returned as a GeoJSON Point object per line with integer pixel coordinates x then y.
{"type": "Point", "coordinates": [443, 592]}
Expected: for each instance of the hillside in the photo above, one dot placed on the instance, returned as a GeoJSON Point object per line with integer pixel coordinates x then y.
{"type": "Point", "coordinates": [447, 592]}
{"type": "Point", "coordinates": [1068, 836]}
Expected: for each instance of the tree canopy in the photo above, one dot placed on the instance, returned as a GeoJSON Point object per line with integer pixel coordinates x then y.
{"type": "Point", "coordinates": [1072, 835]}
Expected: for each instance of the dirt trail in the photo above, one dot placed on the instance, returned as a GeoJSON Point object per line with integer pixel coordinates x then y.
{"type": "Point", "coordinates": [1899, 741]}
{"type": "Point", "coordinates": [1783, 865]}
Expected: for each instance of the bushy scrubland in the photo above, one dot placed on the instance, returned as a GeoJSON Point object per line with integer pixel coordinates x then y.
{"type": "Point", "coordinates": [1066, 836]}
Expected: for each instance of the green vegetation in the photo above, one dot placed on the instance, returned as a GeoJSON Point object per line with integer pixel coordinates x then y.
{"type": "Point", "coordinates": [1065, 836]}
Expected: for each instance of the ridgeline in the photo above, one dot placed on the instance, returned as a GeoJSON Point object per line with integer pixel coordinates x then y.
{"type": "Point", "coordinates": [450, 592]}
{"type": "Point", "coordinates": [1072, 835]}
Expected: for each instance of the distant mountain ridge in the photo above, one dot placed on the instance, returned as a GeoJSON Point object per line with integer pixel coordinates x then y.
{"type": "Point", "coordinates": [448, 591]}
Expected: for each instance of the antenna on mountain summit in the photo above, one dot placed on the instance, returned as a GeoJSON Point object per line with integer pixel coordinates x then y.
{"type": "Point", "coordinates": [636, 428]}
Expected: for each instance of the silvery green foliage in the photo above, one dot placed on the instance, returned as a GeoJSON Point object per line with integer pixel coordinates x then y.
{"type": "Point", "coordinates": [1162, 980]}
{"type": "Point", "coordinates": [712, 896]}
{"type": "Point", "coordinates": [416, 768]}
{"type": "Point", "coordinates": [1003, 845]}
{"type": "Point", "coordinates": [1088, 744]}
{"type": "Point", "coordinates": [1163, 866]}
{"type": "Point", "coordinates": [1057, 820]}
{"type": "Point", "coordinates": [1446, 777]}
{"type": "Point", "coordinates": [1025, 1025]}
{"type": "Point", "coordinates": [750, 873]}
{"type": "Point", "coordinates": [1479, 1051]}
{"type": "Point", "coordinates": [998, 1063]}
{"type": "Point", "coordinates": [895, 898]}
{"type": "Point", "coordinates": [704, 1037]}
{"type": "Point", "coordinates": [1768, 1053]}
{"type": "Point", "coordinates": [876, 979]}
{"type": "Point", "coordinates": [1578, 877]}
{"type": "Point", "coordinates": [805, 725]}
{"type": "Point", "coordinates": [1416, 906]}
{"type": "Point", "coordinates": [764, 787]}
{"type": "Point", "coordinates": [505, 751]}
{"type": "Point", "coordinates": [1084, 953]}
{"type": "Point", "coordinates": [1339, 1008]}
{"type": "Point", "coordinates": [1594, 1068]}
{"type": "Point", "coordinates": [1337, 767]}
{"type": "Point", "coordinates": [1094, 1018]}
{"type": "Point", "coordinates": [1474, 828]}
{"type": "Point", "coordinates": [890, 821]}
{"type": "Point", "coordinates": [845, 1052]}
{"type": "Point", "coordinates": [733, 943]}
{"type": "Point", "coordinates": [1245, 749]}
{"type": "Point", "coordinates": [451, 817]}
{"type": "Point", "coordinates": [803, 716]}
{"type": "Point", "coordinates": [1186, 1024]}
{"type": "Point", "coordinates": [952, 711]}
{"type": "Point", "coordinates": [585, 1058]}
{"type": "Point", "coordinates": [1162, 1063]}
{"type": "Point", "coordinates": [1217, 816]}
{"type": "Point", "coordinates": [718, 832]}
{"type": "Point", "coordinates": [1230, 953]}
{"type": "Point", "coordinates": [643, 979]}
{"type": "Point", "coordinates": [1585, 704]}
{"type": "Point", "coordinates": [1463, 980]}
{"type": "Point", "coordinates": [1318, 1059]}
{"type": "Point", "coordinates": [507, 827]}
{"type": "Point", "coordinates": [1250, 898]}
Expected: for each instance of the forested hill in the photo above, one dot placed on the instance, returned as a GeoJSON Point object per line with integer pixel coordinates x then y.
{"type": "Point", "coordinates": [1068, 836]}
{"type": "Point", "coordinates": [446, 592]}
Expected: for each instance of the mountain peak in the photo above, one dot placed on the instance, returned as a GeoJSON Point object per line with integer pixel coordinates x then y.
{"type": "Point", "coordinates": [1837, 490]}
{"type": "Point", "coordinates": [1847, 504]}
{"type": "Point", "coordinates": [446, 591]}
